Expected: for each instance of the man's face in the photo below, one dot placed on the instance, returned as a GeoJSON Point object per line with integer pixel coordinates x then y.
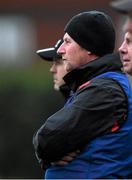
{"type": "Point", "coordinates": [72, 54]}
{"type": "Point", "coordinates": [126, 47]}
{"type": "Point", "coordinates": [58, 71]}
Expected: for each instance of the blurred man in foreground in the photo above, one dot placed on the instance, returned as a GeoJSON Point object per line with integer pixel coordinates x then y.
{"type": "Point", "coordinates": [125, 7]}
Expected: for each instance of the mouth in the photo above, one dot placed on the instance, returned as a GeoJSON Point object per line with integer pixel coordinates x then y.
{"type": "Point", "coordinates": [125, 61]}
{"type": "Point", "coordinates": [54, 80]}
{"type": "Point", "coordinates": [64, 59]}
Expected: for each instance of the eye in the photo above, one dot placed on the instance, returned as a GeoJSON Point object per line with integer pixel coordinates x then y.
{"type": "Point", "coordinates": [128, 40]}
{"type": "Point", "coordinates": [67, 41]}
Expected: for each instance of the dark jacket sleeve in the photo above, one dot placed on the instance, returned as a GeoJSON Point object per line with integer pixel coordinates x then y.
{"type": "Point", "coordinates": [92, 113]}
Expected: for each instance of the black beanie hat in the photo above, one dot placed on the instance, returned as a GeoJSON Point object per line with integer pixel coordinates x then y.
{"type": "Point", "coordinates": [93, 31]}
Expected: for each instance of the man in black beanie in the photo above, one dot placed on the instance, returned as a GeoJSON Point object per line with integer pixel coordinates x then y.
{"type": "Point", "coordinates": [96, 119]}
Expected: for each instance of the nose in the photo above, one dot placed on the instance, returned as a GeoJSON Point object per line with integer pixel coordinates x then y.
{"type": "Point", "coordinates": [123, 48]}
{"type": "Point", "coordinates": [60, 50]}
{"type": "Point", "coordinates": [53, 68]}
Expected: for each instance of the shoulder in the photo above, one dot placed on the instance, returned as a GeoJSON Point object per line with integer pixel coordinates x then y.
{"type": "Point", "coordinates": [100, 83]}
{"type": "Point", "coordinates": [102, 90]}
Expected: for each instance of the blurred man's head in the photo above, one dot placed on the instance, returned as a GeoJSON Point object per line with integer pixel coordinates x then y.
{"type": "Point", "coordinates": [126, 52]}
{"type": "Point", "coordinates": [57, 67]}
{"type": "Point", "coordinates": [125, 7]}
{"type": "Point", "coordinates": [126, 47]}
{"type": "Point", "coordinates": [58, 70]}
{"type": "Point", "coordinates": [88, 35]}
{"type": "Point", "coordinates": [122, 6]}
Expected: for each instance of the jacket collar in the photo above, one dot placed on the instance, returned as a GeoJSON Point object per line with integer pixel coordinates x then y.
{"type": "Point", "coordinates": [110, 62]}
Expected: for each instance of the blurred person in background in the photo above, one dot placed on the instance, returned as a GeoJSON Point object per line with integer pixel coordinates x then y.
{"type": "Point", "coordinates": [125, 7]}
{"type": "Point", "coordinates": [57, 68]}
{"type": "Point", "coordinates": [97, 118]}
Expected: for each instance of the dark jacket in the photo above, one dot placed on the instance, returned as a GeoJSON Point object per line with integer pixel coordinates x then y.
{"type": "Point", "coordinates": [94, 110]}
{"type": "Point", "coordinates": [65, 91]}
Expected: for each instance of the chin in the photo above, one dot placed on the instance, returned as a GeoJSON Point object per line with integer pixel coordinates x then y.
{"type": "Point", "coordinates": [69, 67]}
{"type": "Point", "coordinates": [130, 73]}
{"type": "Point", "coordinates": [56, 87]}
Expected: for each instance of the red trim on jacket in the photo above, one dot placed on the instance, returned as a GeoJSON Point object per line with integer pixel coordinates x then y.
{"type": "Point", "coordinates": [85, 84]}
{"type": "Point", "coordinates": [115, 127]}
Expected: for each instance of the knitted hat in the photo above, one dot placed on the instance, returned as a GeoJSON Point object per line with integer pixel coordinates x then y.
{"type": "Point", "coordinates": [50, 54]}
{"type": "Point", "coordinates": [93, 31]}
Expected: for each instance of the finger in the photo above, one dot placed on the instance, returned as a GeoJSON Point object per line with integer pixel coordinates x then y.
{"type": "Point", "coordinates": [68, 158]}
{"type": "Point", "coordinates": [60, 163]}
{"type": "Point", "coordinates": [73, 154]}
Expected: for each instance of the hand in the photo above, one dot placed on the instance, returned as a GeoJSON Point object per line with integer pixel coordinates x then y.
{"type": "Point", "coordinates": [66, 159]}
